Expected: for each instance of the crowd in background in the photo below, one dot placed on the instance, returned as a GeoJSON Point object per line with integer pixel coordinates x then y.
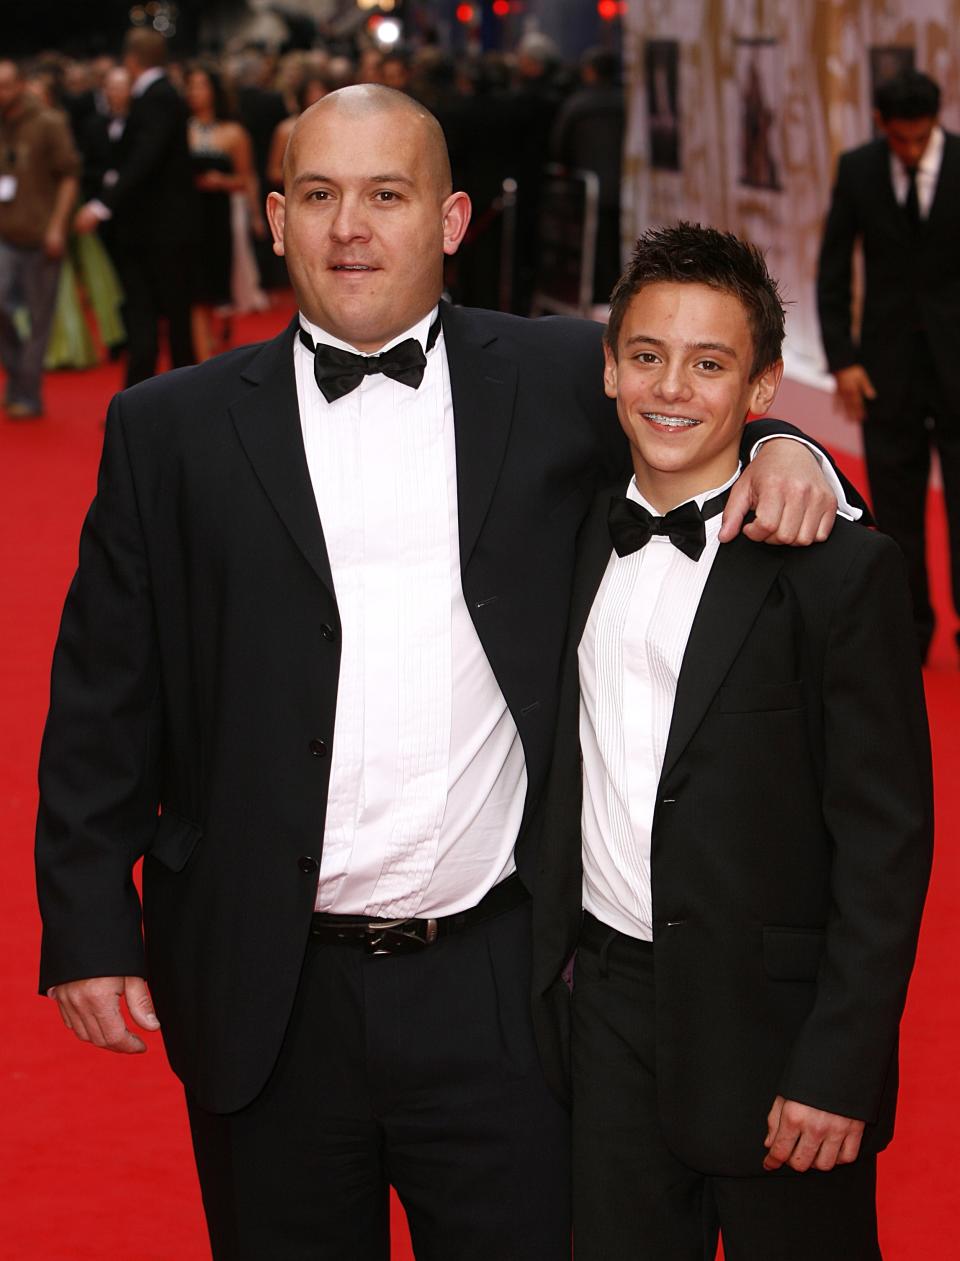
{"type": "Point", "coordinates": [505, 117]}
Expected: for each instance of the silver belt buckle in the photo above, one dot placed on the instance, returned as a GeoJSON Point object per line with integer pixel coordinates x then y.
{"type": "Point", "coordinates": [391, 939]}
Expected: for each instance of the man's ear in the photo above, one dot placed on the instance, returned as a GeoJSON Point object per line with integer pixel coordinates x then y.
{"type": "Point", "coordinates": [764, 389]}
{"type": "Point", "coordinates": [276, 213]}
{"type": "Point", "coordinates": [609, 372]}
{"type": "Point", "coordinates": [456, 219]}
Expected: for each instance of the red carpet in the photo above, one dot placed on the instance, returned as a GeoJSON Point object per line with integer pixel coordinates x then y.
{"type": "Point", "coordinates": [95, 1160]}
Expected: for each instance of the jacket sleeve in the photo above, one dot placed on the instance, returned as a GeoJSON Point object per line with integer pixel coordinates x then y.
{"type": "Point", "coordinates": [756, 430]}
{"type": "Point", "coordinates": [877, 804]}
{"type": "Point", "coordinates": [834, 273]}
{"type": "Point", "coordinates": [99, 764]}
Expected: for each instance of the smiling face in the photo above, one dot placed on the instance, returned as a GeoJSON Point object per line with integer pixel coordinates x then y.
{"type": "Point", "coordinates": [367, 215]}
{"type": "Point", "coordinates": [681, 378]}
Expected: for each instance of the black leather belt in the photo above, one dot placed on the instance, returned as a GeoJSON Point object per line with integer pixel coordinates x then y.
{"type": "Point", "coordinates": [404, 936]}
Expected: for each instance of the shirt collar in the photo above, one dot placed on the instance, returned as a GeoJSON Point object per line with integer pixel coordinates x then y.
{"type": "Point", "coordinates": [146, 79]}
{"type": "Point", "coordinates": [420, 331]}
{"type": "Point", "coordinates": [699, 499]}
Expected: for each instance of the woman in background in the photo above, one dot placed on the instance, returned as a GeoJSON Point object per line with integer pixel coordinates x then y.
{"type": "Point", "coordinates": [223, 163]}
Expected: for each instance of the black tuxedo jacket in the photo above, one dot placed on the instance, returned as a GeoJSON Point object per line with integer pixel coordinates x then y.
{"type": "Point", "coordinates": [197, 664]}
{"type": "Point", "coordinates": [154, 201]}
{"type": "Point", "coordinates": [912, 276]}
{"type": "Point", "coordinates": [790, 850]}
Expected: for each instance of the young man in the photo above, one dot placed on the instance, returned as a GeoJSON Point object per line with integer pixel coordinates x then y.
{"type": "Point", "coordinates": [899, 196]}
{"type": "Point", "coordinates": [753, 815]}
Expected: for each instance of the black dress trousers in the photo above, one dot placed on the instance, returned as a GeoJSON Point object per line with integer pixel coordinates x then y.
{"type": "Point", "coordinates": [633, 1198]}
{"type": "Point", "coordinates": [417, 1071]}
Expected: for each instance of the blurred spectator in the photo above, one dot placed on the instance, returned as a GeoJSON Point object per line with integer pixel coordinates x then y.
{"type": "Point", "coordinates": [100, 67]}
{"type": "Point", "coordinates": [222, 158]}
{"type": "Point", "coordinates": [39, 181]}
{"type": "Point", "coordinates": [100, 143]}
{"type": "Point", "coordinates": [341, 72]}
{"type": "Point", "coordinates": [289, 79]}
{"type": "Point", "coordinates": [481, 136]}
{"type": "Point", "coordinates": [588, 136]}
{"type": "Point", "coordinates": [370, 67]}
{"type": "Point", "coordinates": [433, 80]}
{"type": "Point", "coordinates": [261, 111]}
{"type": "Point", "coordinates": [395, 69]}
{"type": "Point", "coordinates": [535, 102]}
{"type": "Point", "coordinates": [88, 280]}
{"type": "Point", "coordinates": [154, 204]}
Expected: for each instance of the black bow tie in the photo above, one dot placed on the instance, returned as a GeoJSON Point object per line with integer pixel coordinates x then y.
{"type": "Point", "coordinates": [340, 371]}
{"type": "Point", "coordinates": [632, 526]}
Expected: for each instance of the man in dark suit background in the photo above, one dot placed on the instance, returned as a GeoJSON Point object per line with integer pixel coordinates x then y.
{"type": "Point", "coordinates": [152, 202]}
{"type": "Point", "coordinates": [740, 801]}
{"type": "Point", "coordinates": [100, 143]}
{"type": "Point", "coordinates": [318, 622]}
{"type": "Point", "coordinates": [899, 197]}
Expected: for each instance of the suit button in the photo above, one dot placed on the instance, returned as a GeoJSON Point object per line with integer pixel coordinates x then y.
{"type": "Point", "coordinates": [308, 865]}
{"type": "Point", "coordinates": [318, 748]}
{"type": "Point", "coordinates": [328, 633]}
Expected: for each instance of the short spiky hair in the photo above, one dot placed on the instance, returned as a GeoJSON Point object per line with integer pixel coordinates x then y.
{"type": "Point", "coordinates": [910, 94]}
{"type": "Point", "coordinates": [686, 253]}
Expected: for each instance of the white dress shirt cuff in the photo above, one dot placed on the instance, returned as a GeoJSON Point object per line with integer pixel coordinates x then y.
{"type": "Point", "coordinates": [103, 213]}
{"type": "Point", "coordinates": [844, 509]}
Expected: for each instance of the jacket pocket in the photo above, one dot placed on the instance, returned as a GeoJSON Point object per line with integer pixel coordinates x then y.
{"type": "Point", "coordinates": [749, 698]}
{"type": "Point", "coordinates": [792, 954]}
{"type": "Point", "coordinates": [174, 840]}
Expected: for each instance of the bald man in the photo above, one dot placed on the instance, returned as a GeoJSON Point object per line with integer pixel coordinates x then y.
{"type": "Point", "coordinates": [308, 668]}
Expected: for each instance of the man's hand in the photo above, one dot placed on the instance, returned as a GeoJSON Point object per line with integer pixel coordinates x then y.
{"type": "Point", "coordinates": [854, 387]}
{"type": "Point", "coordinates": [805, 1138]}
{"type": "Point", "coordinates": [86, 219]}
{"type": "Point", "coordinates": [788, 494]}
{"type": "Point", "coordinates": [91, 1008]}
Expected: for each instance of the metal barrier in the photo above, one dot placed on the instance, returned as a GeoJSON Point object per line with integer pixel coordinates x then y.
{"type": "Point", "coordinates": [566, 258]}
{"type": "Point", "coordinates": [501, 211]}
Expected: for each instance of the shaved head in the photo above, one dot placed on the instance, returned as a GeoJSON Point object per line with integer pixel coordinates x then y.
{"type": "Point", "coordinates": [367, 214]}
{"type": "Point", "coordinates": [363, 100]}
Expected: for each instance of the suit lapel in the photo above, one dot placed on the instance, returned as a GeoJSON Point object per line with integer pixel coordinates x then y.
{"type": "Point", "coordinates": [267, 421]}
{"type": "Point", "coordinates": [484, 386]}
{"type": "Point", "coordinates": [738, 584]}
